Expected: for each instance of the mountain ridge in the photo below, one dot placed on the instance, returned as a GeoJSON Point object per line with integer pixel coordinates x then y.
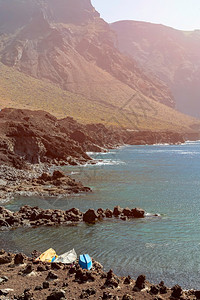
{"type": "Point", "coordinates": [79, 62]}
{"type": "Point", "coordinates": [72, 55]}
{"type": "Point", "coordinates": [171, 54]}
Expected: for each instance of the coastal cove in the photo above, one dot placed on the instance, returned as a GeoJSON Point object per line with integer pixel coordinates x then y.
{"type": "Point", "coordinates": [161, 179]}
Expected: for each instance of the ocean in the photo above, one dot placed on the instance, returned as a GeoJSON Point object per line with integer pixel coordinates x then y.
{"type": "Point", "coordinates": [162, 179]}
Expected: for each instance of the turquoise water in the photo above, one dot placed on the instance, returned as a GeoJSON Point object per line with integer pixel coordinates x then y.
{"type": "Point", "coordinates": [161, 179]}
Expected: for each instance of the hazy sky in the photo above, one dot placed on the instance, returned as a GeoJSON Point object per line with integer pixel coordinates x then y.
{"type": "Point", "coordinates": [180, 14]}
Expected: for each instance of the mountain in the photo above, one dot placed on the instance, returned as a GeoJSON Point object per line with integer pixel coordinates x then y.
{"type": "Point", "coordinates": [173, 55]}
{"type": "Point", "coordinates": [61, 56]}
{"type": "Point", "coordinates": [68, 44]}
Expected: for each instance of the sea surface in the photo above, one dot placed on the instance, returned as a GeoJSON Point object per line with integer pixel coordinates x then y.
{"type": "Point", "coordinates": [161, 179]}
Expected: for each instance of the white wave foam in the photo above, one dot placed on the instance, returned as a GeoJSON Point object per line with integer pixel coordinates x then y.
{"type": "Point", "coordinates": [110, 162]}
{"type": "Point", "coordinates": [92, 153]}
{"type": "Point", "coordinates": [104, 162]}
{"type": "Point", "coordinates": [192, 142]}
{"type": "Point", "coordinates": [162, 144]}
{"type": "Point", "coordinates": [100, 153]}
{"type": "Point", "coordinates": [151, 215]}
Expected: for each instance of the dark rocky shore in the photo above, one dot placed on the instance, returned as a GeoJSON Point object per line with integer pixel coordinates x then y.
{"type": "Point", "coordinates": [38, 137]}
{"type": "Point", "coordinates": [36, 182]}
{"type": "Point", "coordinates": [34, 216]}
{"type": "Point", "coordinates": [23, 278]}
{"type": "Point", "coordinates": [33, 143]}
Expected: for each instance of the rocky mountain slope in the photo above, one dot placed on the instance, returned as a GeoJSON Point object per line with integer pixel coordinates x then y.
{"type": "Point", "coordinates": [61, 58]}
{"type": "Point", "coordinates": [127, 110]}
{"type": "Point", "coordinates": [172, 55]}
{"type": "Point", "coordinates": [68, 44]}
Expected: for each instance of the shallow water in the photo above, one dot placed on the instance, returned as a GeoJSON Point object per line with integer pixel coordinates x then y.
{"type": "Point", "coordinates": [161, 179]}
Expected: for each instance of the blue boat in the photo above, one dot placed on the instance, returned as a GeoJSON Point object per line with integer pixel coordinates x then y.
{"type": "Point", "coordinates": [85, 261]}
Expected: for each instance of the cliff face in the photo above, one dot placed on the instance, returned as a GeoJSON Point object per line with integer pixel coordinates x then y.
{"type": "Point", "coordinates": [172, 55]}
{"type": "Point", "coordinates": [67, 43]}
{"type": "Point", "coordinates": [37, 136]}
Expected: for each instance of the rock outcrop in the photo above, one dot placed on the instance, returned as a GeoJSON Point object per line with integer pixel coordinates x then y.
{"type": "Point", "coordinates": [35, 216]}
{"type": "Point", "coordinates": [37, 136]}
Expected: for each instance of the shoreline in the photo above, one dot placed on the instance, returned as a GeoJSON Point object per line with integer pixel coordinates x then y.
{"type": "Point", "coordinates": [24, 278]}
{"type": "Point", "coordinates": [39, 180]}
{"type": "Point", "coordinates": [25, 179]}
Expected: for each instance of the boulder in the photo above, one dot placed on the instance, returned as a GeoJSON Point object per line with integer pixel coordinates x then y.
{"type": "Point", "coordinates": [90, 216]}
{"type": "Point", "coordinates": [117, 211]}
{"type": "Point", "coordinates": [154, 290]}
{"type": "Point", "coordinates": [38, 288]}
{"type": "Point", "coordinates": [82, 276]}
{"type": "Point", "coordinates": [100, 211]}
{"type": "Point", "coordinates": [5, 259]}
{"type": "Point", "coordinates": [19, 259]}
{"type": "Point", "coordinates": [137, 213]}
{"type": "Point", "coordinates": [108, 213]}
{"type": "Point", "coordinates": [75, 211]}
{"type": "Point", "coordinates": [127, 280]}
{"type": "Point", "coordinates": [163, 288]}
{"type": "Point", "coordinates": [140, 283]}
{"type": "Point", "coordinates": [127, 212]}
{"type": "Point", "coordinates": [45, 285]}
{"type": "Point", "coordinates": [72, 217]}
{"type": "Point", "coordinates": [51, 276]}
{"type": "Point", "coordinates": [28, 269]}
{"type": "Point", "coordinates": [197, 294]}
{"type": "Point", "coordinates": [176, 291]}
{"type": "Point", "coordinates": [56, 295]}
{"type": "Point", "coordinates": [111, 280]}
{"type": "Point", "coordinates": [41, 268]}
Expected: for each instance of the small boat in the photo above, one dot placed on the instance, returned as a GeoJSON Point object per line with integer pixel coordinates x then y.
{"type": "Point", "coordinates": [85, 261]}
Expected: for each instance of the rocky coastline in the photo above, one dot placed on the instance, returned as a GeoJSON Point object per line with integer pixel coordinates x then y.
{"type": "Point", "coordinates": [39, 180]}
{"type": "Point", "coordinates": [34, 216]}
{"type": "Point", "coordinates": [24, 278]}
{"type": "Point", "coordinates": [34, 143]}
{"type": "Point", "coordinates": [35, 137]}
